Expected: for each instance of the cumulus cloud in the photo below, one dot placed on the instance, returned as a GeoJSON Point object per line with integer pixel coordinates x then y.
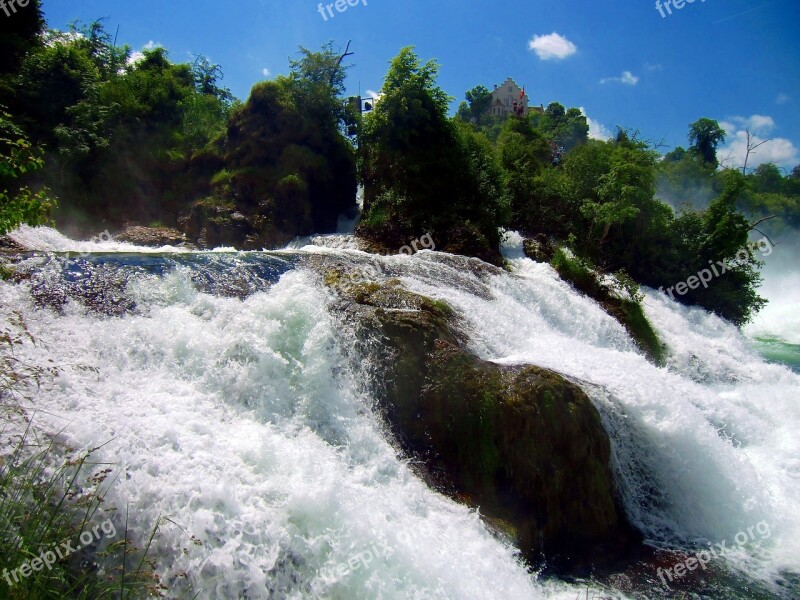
{"type": "Point", "coordinates": [780, 151]}
{"type": "Point", "coordinates": [137, 55]}
{"type": "Point", "coordinates": [552, 46]}
{"type": "Point", "coordinates": [597, 131]}
{"type": "Point", "coordinates": [782, 98]}
{"type": "Point", "coordinates": [265, 72]}
{"type": "Point", "coordinates": [627, 78]}
{"type": "Point", "coordinates": [756, 124]}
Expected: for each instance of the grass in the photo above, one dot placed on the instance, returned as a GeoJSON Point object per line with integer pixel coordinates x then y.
{"type": "Point", "coordinates": [58, 539]}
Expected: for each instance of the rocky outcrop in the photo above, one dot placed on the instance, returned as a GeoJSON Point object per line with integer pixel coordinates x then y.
{"type": "Point", "coordinates": [211, 225]}
{"type": "Point", "coordinates": [8, 244]}
{"type": "Point", "coordinates": [626, 308]}
{"type": "Point", "coordinates": [151, 236]}
{"type": "Point", "coordinates": [521, 443]}
{"type": "Point", "coordinates": [539, 248]}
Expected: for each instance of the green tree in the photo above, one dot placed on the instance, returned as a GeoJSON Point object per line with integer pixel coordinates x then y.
{"type": "Point", "coordinates": [565, 128]}
{"type": "Point", "coordinates": [100, 46]}
{"type": "Point", "coordinates": [525, 154]}
{"type": "Point", "coordinates": [621, 192]}
{"type": "Point", "coordinates": [50, 81]}
{"type": "Point", "coordinates": [676, 155]}
{"type": "Point", "coordinates": [767, 178]}
{"type": "Point", "coordinates": [18, 157]}
{"type": "Point", "coordinates": [705, 136]}
{"type": "Point", "coordinates": [480, 101]}
{"type": "Point", "coordinates": [284, 161]}
{"type": "Point", "coordinates": [684, 178]}
{"type": "Point", "coordinates": [207, 77]}
{"type": "Point", "coordinates": [424, 173]}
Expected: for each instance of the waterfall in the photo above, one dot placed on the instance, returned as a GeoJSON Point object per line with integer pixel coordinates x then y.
{"type": "Point", "coordinates": [223, 390]}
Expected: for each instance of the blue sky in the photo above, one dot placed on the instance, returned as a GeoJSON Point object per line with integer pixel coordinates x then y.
{"type": "Point", "coordinates": [621, 60]}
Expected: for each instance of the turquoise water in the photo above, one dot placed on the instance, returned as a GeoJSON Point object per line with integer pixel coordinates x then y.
{"type": "Point", "coordinates": [779, 351]}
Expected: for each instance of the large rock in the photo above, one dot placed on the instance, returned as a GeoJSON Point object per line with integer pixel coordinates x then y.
{"type": "Point", "coordinates": [8, 244]}
{"type": "Point", "coordinates": [151, 236]}
{"type": "Point", "coordinates": [522, 443]}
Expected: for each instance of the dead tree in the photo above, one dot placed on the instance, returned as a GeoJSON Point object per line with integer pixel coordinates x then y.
{"type": "Point", "coordinates": [750, 149]}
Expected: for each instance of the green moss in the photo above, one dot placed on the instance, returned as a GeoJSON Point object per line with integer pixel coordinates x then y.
{"type": "Point", "coordinates": [442, 308]}
{"type": "Point", "coordinates": [222, 177]}
{"type": "Point", "coordinates": [6, 272]}
{"type": "Point", "coordinates": [629, 313]}
{"type": "Point", "coordinates": [643, 333]}
{"type": "Point", "coordinates": [576, 271]}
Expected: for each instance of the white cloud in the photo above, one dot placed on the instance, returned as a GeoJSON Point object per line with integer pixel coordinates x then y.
{"type": "Point", "coordinates": [138, 55]}
{"type": "Point", "coordinates": [653, 68]}
{"type": "Point", "coordinates": [782, 98]}
{"type": "Point", "coordinates": [134, 58]}
{"type": "Point", "coordinates": [780, 151]}
{"type": "Point", "coordinates": [552, 46]}
{"type": "Point", "coordinates": [756, 124]}
{"type": "Point", "coordinates": [265, 72]}
{"type": "Point", "coordinates": [626, 78]}
{"type": "Point", "coordinates": [597, 131]}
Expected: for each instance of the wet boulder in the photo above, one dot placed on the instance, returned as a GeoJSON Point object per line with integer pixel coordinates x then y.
{"type": "Point", "coordinates": [522, 444]}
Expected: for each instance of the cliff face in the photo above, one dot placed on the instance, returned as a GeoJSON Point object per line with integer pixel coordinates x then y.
{"type": "Point", "coordinates": [522, 444]}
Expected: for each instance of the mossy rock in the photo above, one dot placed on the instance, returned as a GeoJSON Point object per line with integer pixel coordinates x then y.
{"type": "Point", "coordinates": [539, 248]}
{"type": "Point", "coordinates": [629, 313]}
{"type": "Point", "coordinates": [521, 443]}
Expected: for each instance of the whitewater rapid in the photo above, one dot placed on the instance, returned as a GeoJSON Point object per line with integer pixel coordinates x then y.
{"type": "Point", "coordinates": [241, 419]}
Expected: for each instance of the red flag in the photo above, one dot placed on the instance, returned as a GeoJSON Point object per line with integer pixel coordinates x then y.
{"type": "Point", "coordinates": [522, 93]}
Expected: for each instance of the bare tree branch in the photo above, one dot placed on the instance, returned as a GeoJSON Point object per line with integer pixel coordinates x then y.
{"type": "Point", "coordinates": [753, 225]}
{"type": "Point", "coordinates": [751, 149]}
{"type": "Point", "coordinates": [341, 58]}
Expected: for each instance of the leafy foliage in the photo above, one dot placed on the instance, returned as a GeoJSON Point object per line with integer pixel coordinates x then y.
{"type": "Point", "coordinates": [283, 158]}
{"type": "Point", "coordinates": [18, 157]}
{"type": "Point", "coordinates": [426, 173]}
{"type": "Point", "coordinates": [119, 134]}
{"type": "Point", "coordinates": [477, 105]}
{"type": "Point", "coordinates": [705, 136]}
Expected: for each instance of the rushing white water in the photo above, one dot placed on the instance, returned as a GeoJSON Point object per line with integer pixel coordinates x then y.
{"type": "Point", "coordinates": [239, 420]}
{"type": "Point", "coordinates": [242, 421]}
{"type": "Point", "coordinates": [780, 319]}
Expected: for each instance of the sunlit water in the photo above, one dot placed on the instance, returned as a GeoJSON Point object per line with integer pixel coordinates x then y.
{"type": "Point", "coordinates": [229, 404]}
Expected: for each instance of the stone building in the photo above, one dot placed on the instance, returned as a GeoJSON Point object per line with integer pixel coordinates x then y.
{"type": "Point", "coordinates": [508, 98]}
